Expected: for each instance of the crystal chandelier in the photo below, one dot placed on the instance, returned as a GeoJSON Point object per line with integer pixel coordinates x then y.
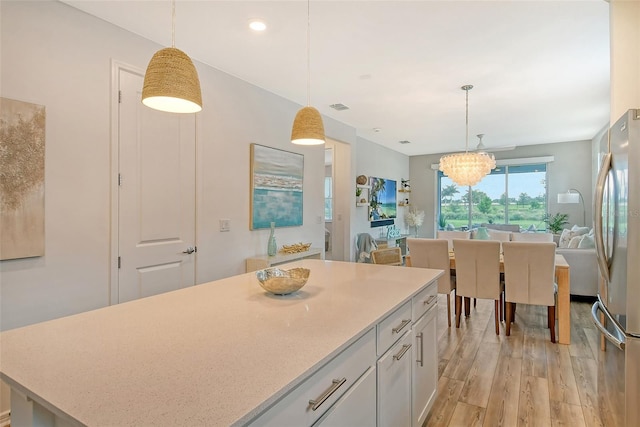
{"type": "Point", "coordinates": [467, 169]}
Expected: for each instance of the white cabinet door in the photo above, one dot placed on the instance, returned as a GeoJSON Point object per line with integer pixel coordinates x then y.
{"type": "Point", "coordinates": [357, 408]}
{"type": "Point", "coordinates": [425, 368]}
{"type": "Point", "coordinates": [394, 384]}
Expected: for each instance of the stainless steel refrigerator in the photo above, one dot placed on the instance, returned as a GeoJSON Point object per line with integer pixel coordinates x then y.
{"type": "Point", "coordinates": [617, 231]}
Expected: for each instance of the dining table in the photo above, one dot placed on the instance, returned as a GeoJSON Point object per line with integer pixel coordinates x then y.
{"type": "Point", "coordinates": [563, 304]}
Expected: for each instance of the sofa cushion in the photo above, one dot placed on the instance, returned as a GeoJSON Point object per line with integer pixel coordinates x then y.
{"type": "Point", "coordinates": [567, 235]}
{"type": "Point", "coordinates": [574, 242]}
{"type": "Point", "coordinates": [587, 242]}
{"type": "Point", "coordinates": [579, 231]}
{"type": "Point", "coordinates": [565, 238]}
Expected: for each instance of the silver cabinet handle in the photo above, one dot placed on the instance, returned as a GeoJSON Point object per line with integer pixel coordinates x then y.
{"type": "Point", "coordinates": [431, 298]}
{"type": "Point", "coordinates": [420, 337]}
{"type": "Point", "coordinates": [402, 351]}
{"type": "Point", "coordinates": [401, 327]}
{"type": "Point", "coordinates": [189, 250]}
{"type": "Point", "coordinates": [335, 385]}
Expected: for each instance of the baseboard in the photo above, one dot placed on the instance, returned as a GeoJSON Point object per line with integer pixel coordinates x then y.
{"type": "Point", "coordinates": [5, 418]}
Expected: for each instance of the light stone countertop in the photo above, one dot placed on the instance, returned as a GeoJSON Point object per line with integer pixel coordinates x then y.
{"type": "Point", "coordinates": [214, 354]}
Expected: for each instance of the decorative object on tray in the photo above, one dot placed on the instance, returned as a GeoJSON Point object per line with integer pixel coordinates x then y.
{"type": "Point", "coordinates": [393, 232]}
{"type": "Point", "coordinates": [361, 180]}
{"type": "Point", "coordinates": [295, 248]}
{"type": "Point", "coordinates": [414, 218]}
{"type": "Point", "coordinates": [272, 247]}
{"type": "Point", "coordinates": [282, 282]}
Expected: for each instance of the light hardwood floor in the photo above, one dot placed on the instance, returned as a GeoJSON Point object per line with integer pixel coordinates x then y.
{"type": "Point", "coordinates": [521, 380]}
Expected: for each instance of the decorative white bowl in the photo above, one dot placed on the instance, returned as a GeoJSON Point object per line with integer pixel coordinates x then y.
{"type": "Point", "coordinates": [282, 282]}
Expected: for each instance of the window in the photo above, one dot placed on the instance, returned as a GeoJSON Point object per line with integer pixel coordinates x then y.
{"type": "Point", "coordinates": [328, 198]}
{"type": "Point", "coordinates": [515, 194]}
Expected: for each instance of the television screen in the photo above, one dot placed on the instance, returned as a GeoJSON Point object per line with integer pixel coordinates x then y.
{"type": "Point", "coordinates": [382, 201]}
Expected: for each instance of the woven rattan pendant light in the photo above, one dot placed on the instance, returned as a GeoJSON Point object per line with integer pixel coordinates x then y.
{"type": "Point", "coordinates": [171, 82]}
{"type": "Point", "coordinates": [308, 128]}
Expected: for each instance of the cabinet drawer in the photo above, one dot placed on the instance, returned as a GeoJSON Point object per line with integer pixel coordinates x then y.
{"type": "Point", "coordinates": [357, 407]}
{"type": "Point", "coordinates": [426, 298]}
{"type": "Point", "coordinates": [324, 387]}
{"type": "Point", "coordinates": [393, 327]}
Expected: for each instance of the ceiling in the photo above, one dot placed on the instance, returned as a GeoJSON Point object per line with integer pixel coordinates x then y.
{"type": "Point", "coordinates": [540, 69]}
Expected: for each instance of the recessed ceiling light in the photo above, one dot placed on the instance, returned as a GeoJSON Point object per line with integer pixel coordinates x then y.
{"type": "Point", "coordinates": [376, 130]}
{"type": "Point", "coordinates": [257, 25]}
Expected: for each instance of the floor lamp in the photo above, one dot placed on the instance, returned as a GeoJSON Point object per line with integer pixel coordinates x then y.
{"type": "Point", "coordinates": [576, 197]}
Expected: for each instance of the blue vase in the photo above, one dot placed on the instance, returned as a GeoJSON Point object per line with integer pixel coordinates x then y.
{"type": "Point", "coordinates": [482, 234]}
{"type": "Point", "coordinates": [272, 247]}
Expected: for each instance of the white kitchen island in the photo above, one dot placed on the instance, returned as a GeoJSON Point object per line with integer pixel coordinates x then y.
{"type": "Point", "coordinates": [217, 354]}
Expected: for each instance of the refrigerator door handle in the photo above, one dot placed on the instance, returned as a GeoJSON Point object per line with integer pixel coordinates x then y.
{"type": "Point", "coordinates": [598, 202]}
{"type": "Point", "coordinates": [598, 305]}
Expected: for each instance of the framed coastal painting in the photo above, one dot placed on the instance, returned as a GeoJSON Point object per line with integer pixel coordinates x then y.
{"type": "Point", "coordinates": [276, 187]}
{"type": "Point", "coordinates": [22, 144]}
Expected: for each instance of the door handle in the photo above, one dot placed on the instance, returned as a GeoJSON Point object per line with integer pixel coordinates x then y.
{"type": "Point", "coordinates": [190, 250]}
{"type": "Point", "coordinates": [618, 342]}
{"type": "Point", "coordinates": [601, 255]}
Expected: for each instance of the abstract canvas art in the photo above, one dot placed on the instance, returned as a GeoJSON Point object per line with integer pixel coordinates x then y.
{"type": "Point", "coordinates": [276, 187]}
{"type": "Point", "coordinates": [22, 143]}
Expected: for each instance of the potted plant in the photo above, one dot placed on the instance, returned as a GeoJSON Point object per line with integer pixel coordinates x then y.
{"type": "Point", "coordinates": [442, 221]}
{"type": "Point", "coordinates": [556, 222]}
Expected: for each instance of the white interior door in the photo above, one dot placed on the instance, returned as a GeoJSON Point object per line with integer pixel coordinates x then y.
{"type": "Point", "coordinates": [156, 196]}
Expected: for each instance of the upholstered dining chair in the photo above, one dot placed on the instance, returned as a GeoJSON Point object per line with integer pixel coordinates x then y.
{"type": "Point", "coordinates": [529, 274]}
{"type": "Point", "coordinates": [388, 256]}
{"type": "Point", "coordinates": [450, 235]}
{"type": "Point", "coordinates": [434, 253]}
{"type": "Point", "coordinates": [478, 274]}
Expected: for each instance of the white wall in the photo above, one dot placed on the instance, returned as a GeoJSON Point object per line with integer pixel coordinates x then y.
{"type": "Point", "coordinates": [375, 160]}
{"type": "Point", "coordinates": [625, 56]}
{"type": "Point", "coordinates": [571, 168]}
{"type": "Point", "coordinates": [59, 57]}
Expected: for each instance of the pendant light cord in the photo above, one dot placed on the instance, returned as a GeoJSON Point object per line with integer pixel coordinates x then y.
{"type": "Point", "coordinates": [173, 23]}
{"type": "Point", "coordinates": [308, 53]}
{"type": "Point", "coordinates": [466, 144]}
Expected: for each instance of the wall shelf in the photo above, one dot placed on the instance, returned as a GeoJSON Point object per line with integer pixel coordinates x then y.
{"type": "Point", "coordinates": [364, 195]}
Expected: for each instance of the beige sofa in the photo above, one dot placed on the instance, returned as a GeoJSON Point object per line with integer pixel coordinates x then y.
{"type": "Point", "coordinates": [583, 270]}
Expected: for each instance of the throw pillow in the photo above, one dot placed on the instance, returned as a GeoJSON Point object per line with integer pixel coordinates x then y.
{"type": "Point", "coordinates": [579, 231]}
{"type": "Point", "coordinates": [574, 242]}
{"type": "Point", "coordinates": [587, 242]}
{"type": "Point", "coordinates": [565, 238]}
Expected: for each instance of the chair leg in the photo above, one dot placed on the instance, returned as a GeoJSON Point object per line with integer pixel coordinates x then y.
{"type": "Point", "coordinates": [458, 310]}
{"type": "Point", "coordinates": [551, 314]}
{"type": "Point", "coordinates": [467, 306]}
{"type": "Point", "coordinates": [496, 316]}
{"type": "Point", "coordinates": [509, 318]}
{"type": "Point", "coordinates": [449, 309]}
{"type": "Point", "coordinates": [475, 301]}
{"type": "Point", "coordinates": [501, 302]}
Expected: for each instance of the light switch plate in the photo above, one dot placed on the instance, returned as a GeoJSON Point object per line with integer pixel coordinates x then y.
{"type": "Point", "coordinates": [225, 225]}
